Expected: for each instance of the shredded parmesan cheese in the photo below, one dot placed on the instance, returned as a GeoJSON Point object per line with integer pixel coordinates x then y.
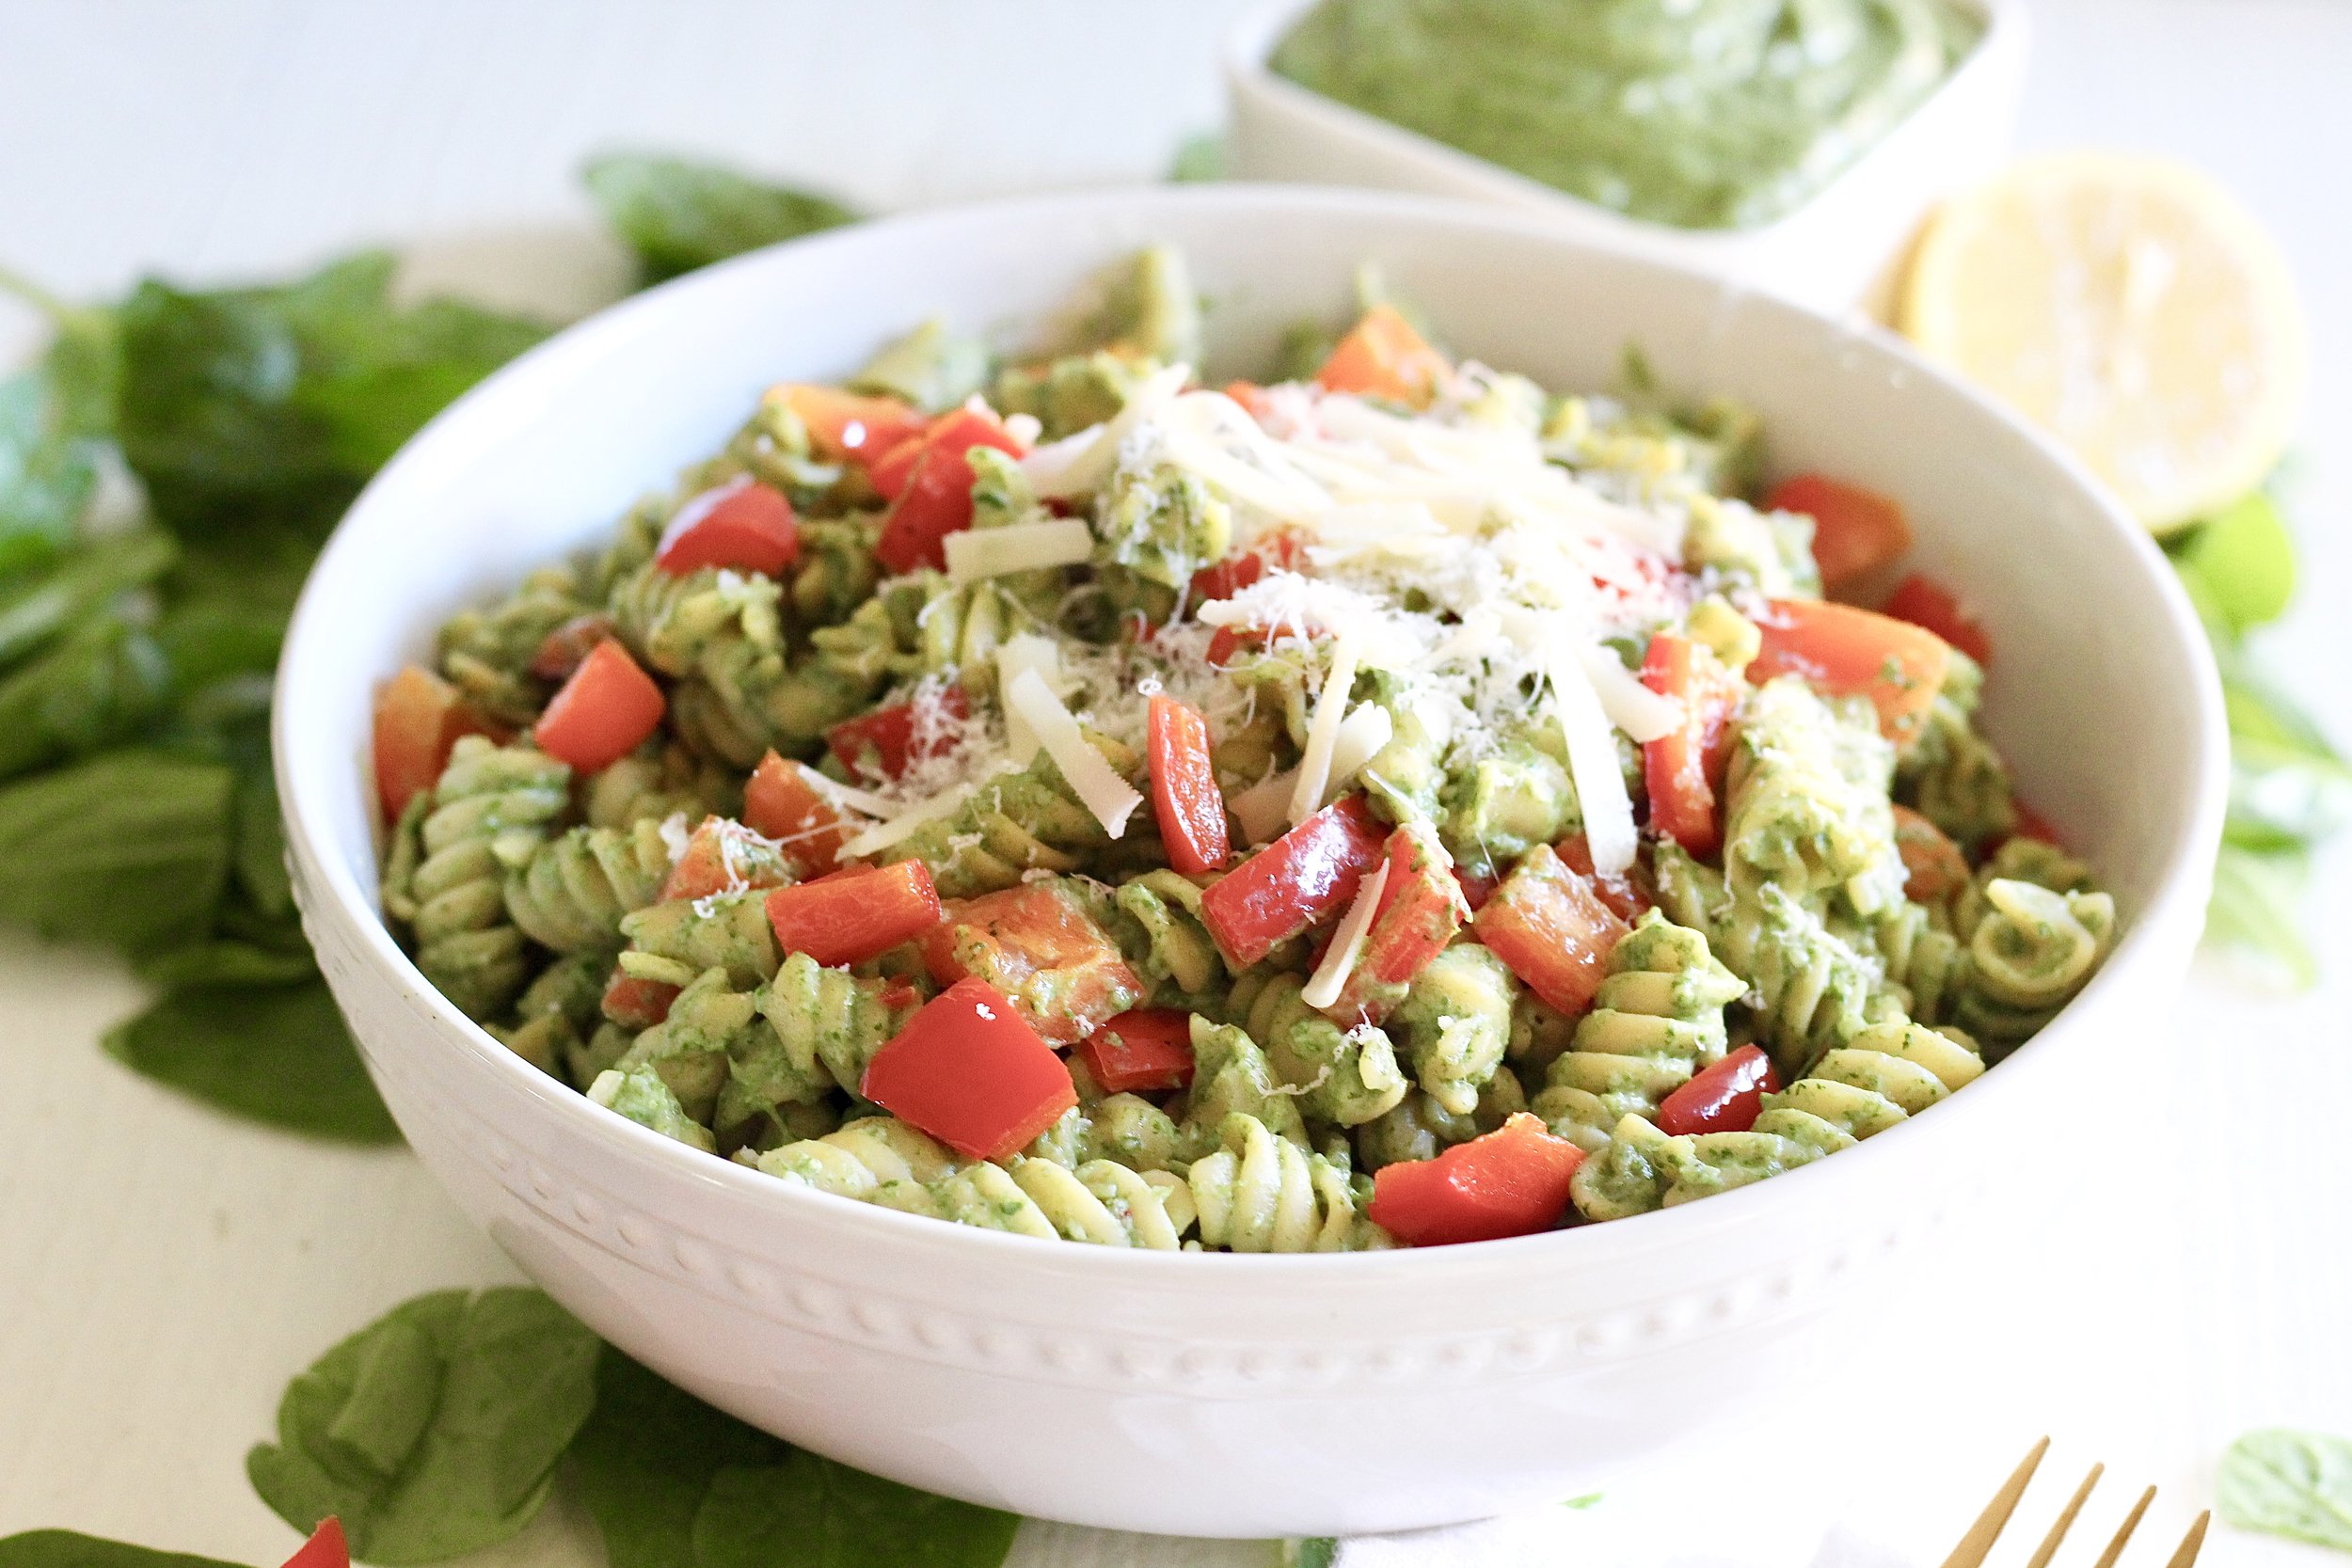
{"type": "Point", "coordinates": [1347, 944]}
{"type": "Point", "coordinates": [1362, 732]}
{"type": "Point", "coordinates": [1110, 798]}
{"type": "Point", "coordinates": [1323, 732]}
{"type": "Point", "coordinates": [883, 834]}
{"type": "Point", "coordinates": [1631, 706]}
{"type": "Point", "coordinates": [973, 553]}
{"type": "Point", "coordinates": [1593, 765]}
{"type": "Point", "coordinates": [1025, 652]}
{"type": "Point", "coordinates": [1261, 808]}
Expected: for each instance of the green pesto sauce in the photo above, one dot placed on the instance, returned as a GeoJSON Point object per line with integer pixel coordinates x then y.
{"type": "Point", "coordinates": [1701, 113]}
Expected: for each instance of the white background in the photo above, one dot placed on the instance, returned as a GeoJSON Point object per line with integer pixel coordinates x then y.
{"type": "Point", "coordinates": [162, 1272]}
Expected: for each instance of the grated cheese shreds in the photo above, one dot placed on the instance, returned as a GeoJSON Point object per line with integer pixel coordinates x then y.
{"type": "Point", "coordinates": [1110, 798]}
{"type": "Point", "coordinates": [975, 553]}
{"type": "Point", "coordinates": [1631, 706]}
{"type": "Point", "coordinates": [883, 834]}
{"type": "Point", "coordinates": [833, 792]}
{"type": "Point", "coordinates": [1362, 732]}
{"type": "Point", "coordinates": [1025, 652]}
{"type": "Point", "coordinates": [1600, 791]}
{"type": "Point", "coordinates": [1347, 944]}
{"type": "Point", "coordinates": [1261, 808]}
{"type": "Point", "coordinates": [1323, 731]}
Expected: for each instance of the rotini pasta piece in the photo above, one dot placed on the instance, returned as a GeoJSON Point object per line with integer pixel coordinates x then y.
{"type": "Point", "coordinates": [837, 572]}
{"type": "Point", "coordinates": [676, 941]}
{"type": "Point", "coordinates": [596, 1049]}
{"type": "Point", "coordinates": [873, 1159]}
{"type": "Point", "coordinates": [1806, 806]}
{"type": "Point", "coordinates": [842, 672]}
{"type": "Point", "coordinates": [1232, 1076]}
{"type": "Point", "coordinates": [1507, 803]}
{"type": "Point", "coordinates": [571, 894]}
{"type": "Point", "coordinates": [1029, 820]}
{"type": "Point", "coordinates": [487, 653]}
{"type": "Point", "coordinates": [554, 1010]}
{"type": "Point", "coordinates": [1107, 1204]}
{"type": "Point", "coordinates": [1770, 552]}
{"type": "Point", "coordinates": [986, 1196]}
{"type": "Point", "coordinates": [2032, 949]}
{"type": "Point", "coordinates": [1420, 1129]}
{"type": "Point", "coordinates": [825, 1026]}
{"type": "Point", "coordinates": [1407, 775]}
{"type": "Point", "coordinates": [1164, 939]}
{"type": "Point", "coordinates": [1261, 1192]}
{"type": "Point", "coordinates": [1162, 523]}
{"type": "Point", "coordinates": [708, 621]}
{"type": "Point", "coordinates": [1950, 773]}
{"type": "Point", "coordinates": [655, 783]}
{"type": "Point", "coordinates": [1455, 1024]}
{"type": "Point", "coordinates": [931, 367]}
{"type": "Point", "coordinates": [1539, 1032]}
{"type": "Point", "coordinates": [692, 1048]}
{"type": "Point", "coordinates": [641, 1094]}
{"type": "Point", "coordinates": [1070, 392]}
{"type": "Point", "coordinates": [955, 629]}
{"type": "Point", "coordinates": [490, 810]}
{"type": "Point", "coordinates": [1347, 1076]}
{"type": "Point", "coordinates": [2020, 860]}
{"type": "Point", "coordinates": [774, 447]}
{"type": "Point", "coordinates": [1642, 1169]}
{"type": "Point", "coordinates": [1889, 1072]}
{"type": "Point", "coordinates": [1925, 963]}
{"type": "Point", "coordinates": [1657, 1020]}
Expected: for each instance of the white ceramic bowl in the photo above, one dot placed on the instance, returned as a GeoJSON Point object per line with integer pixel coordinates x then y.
{"type": "Point", "coordinates": [1233, 1395]}
{"type": "Point", "coordinates": [1843, 249]}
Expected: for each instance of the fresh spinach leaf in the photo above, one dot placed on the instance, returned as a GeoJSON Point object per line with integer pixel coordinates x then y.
{"type": "Point", "coordinates": [230, 960]}
{"type": "Point", "coordinates": [1313, 1551]}
{"type": "Point", "coordinates": [811, 1513]}
{"type": "Point", "coordinates": [238, 1035]}
{"type": "Point", "coordinates": [645, 1460]}
{"type": "Point", "coordinates": [38, 604]}
{"type": "Point", "coordinates": [2298, 1484]}
{"type": "Point", "coordinates": [434, 1431]}
{"type": "Point", "coordinates": [46, 479]}
{"type": "Point", "coordinates": [679, 214]}
{"type": "Point", "coordinates": [97, 684]}
{"type": "Point", "coordinates": [2239, 566]}
{"type": "Point", "coordinates": [130, 849]}
{"type": "Point", "coordinates": [65, 1548]}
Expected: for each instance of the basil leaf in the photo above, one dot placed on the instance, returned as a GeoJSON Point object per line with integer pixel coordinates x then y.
{"type": "Point", "coordinates": [2254, 915]}
{"type": "Point", "coordinates": [436, 1430]}
{"type": "Point", "coordinates": [1313, 1551]}
{"type": "Point", "coordinates": [94, 687]}
{"type": "Point", "coordinates": [273, 1053]}
{"type": "Point", "coordinates": [384, 373]}
{"type": "Point", "coordinates": [130, 849]}
{"type": "Point", "coordinates": [46, 479]}
{"type": "Point", "coordinates": [811, 1513]}
{"type": "Point", "coordinates": [679, 214]}
{"type": "Point", "coordinates": [2298, 1484]}
{"type": "Point", "coordinates": [644, 1462]}
{"type": "Point", "coordinates": [38, 605]}
{"type": "Point", "coordinates": [2239, 566]}
{"type": "Point", "coordinates": [65, 1548]}
{"type": "Point", "coordinates": [2288, 787]}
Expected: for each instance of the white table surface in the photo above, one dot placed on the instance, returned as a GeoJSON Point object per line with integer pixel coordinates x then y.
{"type": "Point", "coordinates": [163, 1270]}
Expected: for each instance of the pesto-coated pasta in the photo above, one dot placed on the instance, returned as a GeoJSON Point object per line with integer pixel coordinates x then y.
{"type": "Point", "coordinates": [1657, 1020]}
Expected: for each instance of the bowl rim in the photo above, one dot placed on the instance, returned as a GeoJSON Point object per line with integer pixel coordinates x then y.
{"type": "Point", "coordinates": [2185, 863]}
{"type": "Point", "coordinates": [1246, 54]}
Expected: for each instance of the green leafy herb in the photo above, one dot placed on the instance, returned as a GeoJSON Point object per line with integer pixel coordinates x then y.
{"type": "Point", "coordinates": [434, 1431]}
{"type": "Point", "coordinates": [46, 479]}
{"type": "Point", "coordinates": [2297, 1484]}
{"type": "Point", "coordinates": [1314, 1551]}
{"type": "Point", "coordinates": [811, 1513]}
{"type": "Point", "coordinates": [130, 849]}
{"type": "Point", "coordinates": [645, 1460]}
{"type": "Point", "coordinates": [65, 1548]}
{"type": "Point", "coordinates": [679, 214]}
{"type": "Point", "coordinates": [98, 684]}
{"type": "Point", "coordinates": [1584, 1501]}
{"type": "Point", "coordinates": [256, 1034]}
{"type": "Point", "coordinates": [37, 606]}
{"type": "Point", "coordinates": [2239, 567]}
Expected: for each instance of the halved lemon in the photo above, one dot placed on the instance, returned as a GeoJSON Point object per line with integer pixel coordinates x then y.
{"type": "Point", "coordinates": [2132, 308]}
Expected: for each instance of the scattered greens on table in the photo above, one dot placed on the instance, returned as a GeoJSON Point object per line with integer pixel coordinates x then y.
{"type": "Point", "coordinates": [168, 471]}
{"type": "Point", "coordinates": [2291, 1484]}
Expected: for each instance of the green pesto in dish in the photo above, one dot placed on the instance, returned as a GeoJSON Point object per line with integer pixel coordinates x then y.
{"type": "Point", "coordinates": [1701, 113]}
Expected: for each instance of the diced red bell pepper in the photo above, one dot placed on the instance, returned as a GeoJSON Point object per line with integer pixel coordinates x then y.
{"type": "Point", "coordinates": [418, 716]}
{"type": "Point", "coordinates": [1513, 1181]}
{"type": "Point", "coordinates": [603, 713]}
{"type": "Point", "coordinates": [1726, 1097]}
{"type": "Point", "coordinates": [1250, 396]}
{"type": "Point", "coordinates": [888, 733]}
{"type": "Point", "coordinates": [1227, 642]}
{"type": "Point", "coordinates": [847, 920]}
{"type": "Point", "coordinates": [1184, 797]}
{"type": "Point", "coordinates": [1477, 886]}
{"type": "Point", "coordinates": [1683, 771]}
{"type": "Point", "coordinates": [1845, 652]}
{"type": "Point", "coordinates": [2032, 824]}
{"type": "Point", "coordinates": [782, 805]}
{"type": "Point", "coordinates": [1933, 864]}
{"type": "Point", "coordinates": [1298, 880]}
{"type": "Point", "coordinates": [970, 1072]}
{"type": "Point", "coordinates": [1038, 945]}
{"type": "Point", "coordinates": [1383, 357]}
{"type": "Point", "coordinates": [742, 526]}
{"type": "Point", "coordinates": [844, 425]}
{"type": "Point", "coordinates": [1421, 909]}
{"type": "Point", "coordinates": [1924, 602]}
{"type": "Point", "coordinates": [935, 499]}
{"type": "Point", "coordinates": [1550, 926]}
{"type": "Point", "coordinates": [1141, 1052]}
{"type": "Point", "coordinates": [890, 468]}
{"type": "Point", "coordinates": [568, 647]}
{"type": "Point", "coordinates": [1626, 897]}
{"type": "Point", "coordinates": [724, 857]}
{"type": "Point", "coordinates": [1854, 530]}
{"type": "Point", "coordinates": [326, 1547]}
{"type": "Point", "coordinates": [635, 1004]}
{"type": "Point", "coordinates": [1222, 580]}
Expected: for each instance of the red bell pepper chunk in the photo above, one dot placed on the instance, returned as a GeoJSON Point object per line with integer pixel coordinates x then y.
{"type": "Point", "coordinates": [844, 425]}
{"type": "Point", "coordinates": [782, 805]}
{"type": "Point", "coordinates": [418, 716]}
{"type": "Point", "coordinates": [1934, 866]}
{"type": "Point", "coordinates": [742, 525]}
{"type": "Point", "coordinates": [1924, 602]}
{"type": "Point", "coordinates": [1623, 895]}
{"type": "Point", "coordinates": [568, 647]}
{"type": "Point", "coordinates": [1251, 397]}
{"type": "Point", "coordinates": [2032, 824]}
{"type": "Point", "coordinates": [1298, 880]}
{"type": "Point", "coordinates": [1038, 945]}
{"type": "Point", "coordinates": [1726, 1097]}
{"type": "Point", "coordinates": [888, 734]}
{"type": "Point", "coordinates": [326, 1547]}
{"type": "Point", "coordinates": [891, 467]}
{"type": "Point", "coordinates": [1141, 1052]}
{"type": "Point", "coordinates": [935, 499]}
{"type": "Point", "coordinates": [1549, 925]}
{"type": "Point", "coordinates": [1683, 771]}
{"type": "Point", "coordinates": [1184, 797]}
{"type": "Point", "coordinates": [1477, 887]}
{"type": "Point", "coordinates": [1845, 652]}
{"type": "Point", "coordinates": [1854, 530]}
{"type": "Point", "coordinates": [603, 713]}
{"type": "Point", "coordinates": [635, 1004]}
{"type": "Point", "coordinates": [1513, 1181]}
{"type": "Point", "coordinates": [1222, 580]}
{"type": "Point", "coordinates": [1420, 911]}
{"type": "Point", "coordinates": [970, 1072]}
{"type": "Point", "coordinates": [848, 920]}
{"type": "Point", "coordinates": [1383, 357]}
{"type": "Point", "coordinates": [724, 857]}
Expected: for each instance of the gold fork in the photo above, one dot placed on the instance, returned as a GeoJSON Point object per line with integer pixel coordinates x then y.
{"type": "Point", "coordinates": [1978, 1544]}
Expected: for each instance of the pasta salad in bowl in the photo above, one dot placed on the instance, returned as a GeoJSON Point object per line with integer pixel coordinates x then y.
{"type": "Point", "coordinates": [1164, 757]}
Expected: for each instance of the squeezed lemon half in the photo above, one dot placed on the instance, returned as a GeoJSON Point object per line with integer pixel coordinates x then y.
{"type": "Point", "coordinates": [2132, 308]}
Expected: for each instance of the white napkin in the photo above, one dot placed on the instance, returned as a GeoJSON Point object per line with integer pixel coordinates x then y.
{"type": "Point", "coordinates": [1556, 1537]}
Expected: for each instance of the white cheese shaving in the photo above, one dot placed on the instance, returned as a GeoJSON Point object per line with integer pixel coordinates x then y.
{"type": "Point", "coordinates": [833, 792]}
{"type": "Point", "coordinates": [1631, 706]}
{"type": "Point", "coordinates": [1084, 461]}
{"type": "Point", "coordinates": [1593, 765]}
{"type": "Point", "coordinates": [676, 830]}
{"type": "Point", "coordinates": [1019, 655]}
{"type": "Point", "coordinates": [1347, 944]}
{"type": "Point", "coordinates": [883, 834]}
{"type": "Point", "coordinates": [973, 553]}
{"type": "Point", "coordinates": [1323, 731]}
{"type": "Point", "coordinates": [1110, 798]}
{"type": "Point", "coordinates": [1362, 732]}
{"type": "Point", "coordinates": [1262, 807]}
